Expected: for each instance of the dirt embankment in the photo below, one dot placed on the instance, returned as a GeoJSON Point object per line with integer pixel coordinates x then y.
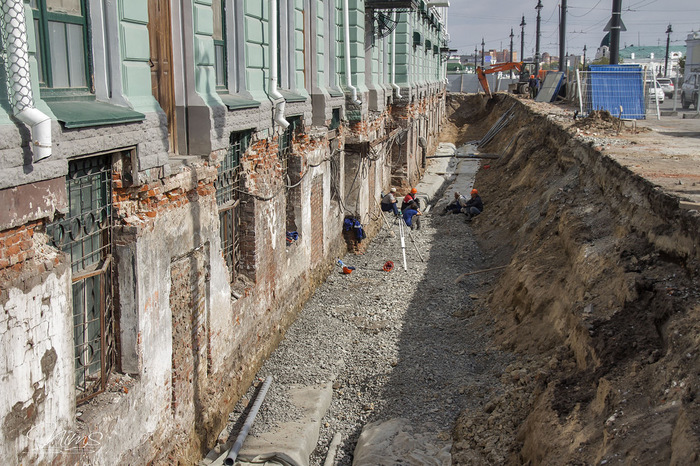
{"type": "Point", "coordinates": [600, 298]}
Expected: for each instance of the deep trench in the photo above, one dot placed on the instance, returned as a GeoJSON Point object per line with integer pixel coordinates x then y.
{"type": "Point", "coordinates": [561, 357]}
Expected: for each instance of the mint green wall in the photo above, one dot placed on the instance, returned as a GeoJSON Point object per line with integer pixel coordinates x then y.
{"type": "Point", "coordinates": [135, 52]}
{"type": "Point", "coordinates": [257, 50]}
{"type": "Point", "coordinates": [320, 43]}
{"type": "Point", "coordinates": [299, 47]}
{"type": "Point", "coordinates": [204, 73]}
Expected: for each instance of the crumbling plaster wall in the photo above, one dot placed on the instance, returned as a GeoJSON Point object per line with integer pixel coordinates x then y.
{"type": "Point", "coordinates": [36, 388]}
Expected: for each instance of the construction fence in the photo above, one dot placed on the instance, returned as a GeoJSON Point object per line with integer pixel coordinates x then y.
{"type": "Point", "coordinates": [626, 91]}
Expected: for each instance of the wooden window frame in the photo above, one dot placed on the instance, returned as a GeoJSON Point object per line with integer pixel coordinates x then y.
{"type": "Point", "coordinates": [42, 17]}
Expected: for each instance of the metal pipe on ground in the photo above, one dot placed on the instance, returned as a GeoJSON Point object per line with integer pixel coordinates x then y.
{"type": "Point", "coordinates": [332, 450]}
{"type": "Point", "coordinates": [238, 444]}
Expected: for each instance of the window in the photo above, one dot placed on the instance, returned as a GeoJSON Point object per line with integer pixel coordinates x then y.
{"type": "Point", "coordinates": [220, 43]}
{"type": "Point", "coordinates": [61, 36]}
{"type": "Point", "coordinates": [291, 174]}
{"type": "Point", "coordinates": [228, 189]}
{"type": "Point", "coordinates": [85, 234]}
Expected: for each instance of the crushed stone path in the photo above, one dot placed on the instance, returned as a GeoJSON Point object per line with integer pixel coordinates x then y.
{"type": "Point", "coordinates": [400, 344]}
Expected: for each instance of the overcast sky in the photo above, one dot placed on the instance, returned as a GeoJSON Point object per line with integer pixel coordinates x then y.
{"type": "Point", "coordinates": [646, 22]}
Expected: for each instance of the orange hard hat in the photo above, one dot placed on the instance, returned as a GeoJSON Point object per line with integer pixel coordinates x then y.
{"type": "Point", "coordinates": [474, 191]}
{"type": "Point", "coordinates": [532, 76]}
{"type": "Point", "coordinates": [414, 191]}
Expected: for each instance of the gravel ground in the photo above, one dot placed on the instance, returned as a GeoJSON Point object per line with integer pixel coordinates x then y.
{"type": "Point", "coordinates": [408, 344]}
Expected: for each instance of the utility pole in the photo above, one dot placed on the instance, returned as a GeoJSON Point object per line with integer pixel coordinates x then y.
{"type": "Point", "coordinates": [476, 54]}
{"type": "Point", "coordinates": [584, 57]}
{"type": "Point", "coordinates": [482, 52]}
{"type": "Point", "coordinates": [615, 26]}
{"type": "Point", "coordinates": [562, 34]}
{"type": "Point", "coordinates": [522, 39]}
{"type": "Point", "coordinates": [668, 43]}
{"type": "Point", "coordinates": [511, 51]}
{"type": "Point", "coordinates": [537, 39]}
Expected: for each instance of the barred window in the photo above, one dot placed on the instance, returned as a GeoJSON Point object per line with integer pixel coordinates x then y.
{"type": "Point", "coordinates": [228, 189]}
{"type": "Point", "coordinates": [85, 234]}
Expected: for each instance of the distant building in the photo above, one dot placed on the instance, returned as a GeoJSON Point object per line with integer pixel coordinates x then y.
{"type": "Point", "coordinates": [653, 57]}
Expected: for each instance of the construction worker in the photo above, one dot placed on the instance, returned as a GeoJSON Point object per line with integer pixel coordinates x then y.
{"type": "Point", "coordinates": [532, 86]}
{"type": "Point", "coordinates": [474, 206]}
{"type": "Point", "coordinates": [389, 203]}
{"type": "Point", "coordinates": [456, 205]}
{"type": "Point", "coordinates": [411, 215]}
{"type": "Point", "coordinates": [410, 197]}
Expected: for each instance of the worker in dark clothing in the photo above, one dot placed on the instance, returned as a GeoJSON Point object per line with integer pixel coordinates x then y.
{"type": "Point", "coordinates": [411, 215]}
{"type": "Point", "coordinates": [389, 203]}
{"type": "Point", "coordinates": [410, 197]}
{"type": "Point", "coordinates": [532, 86]}
{"type": "Point", "coordinates": [474, 205]}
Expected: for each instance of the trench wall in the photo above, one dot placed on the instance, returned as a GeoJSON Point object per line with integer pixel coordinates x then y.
{"type": "Point", "coordinates": [590, 250]}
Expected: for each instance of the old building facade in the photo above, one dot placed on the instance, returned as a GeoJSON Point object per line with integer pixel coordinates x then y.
{"type": "Point", "coordinates": [175, 178]}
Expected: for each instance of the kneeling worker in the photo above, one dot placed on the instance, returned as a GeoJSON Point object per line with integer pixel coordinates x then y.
{"type": "Point", "coordinates": [474, 205]}
{"type": "Point", "coordinates": [411, 215]}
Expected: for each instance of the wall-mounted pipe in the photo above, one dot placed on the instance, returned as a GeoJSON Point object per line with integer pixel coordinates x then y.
{"type": "Point", "coordinates": [348, 71]}
{"type": "Point", "coordinates": [19, 80]}
{"type": "Point", "coordinates": [396, 87]}
{"type": "Point", "coordinates": [277, 98]}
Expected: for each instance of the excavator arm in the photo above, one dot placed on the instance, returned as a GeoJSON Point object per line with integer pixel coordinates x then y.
{"type": "Point", "coordinates": [481, 73]}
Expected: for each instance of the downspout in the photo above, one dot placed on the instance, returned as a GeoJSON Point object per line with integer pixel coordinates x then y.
{"type": "Point", "coordinates": [348, 73]}
{"type": "Point", "coordinates": [19, 80]}
{"type": "Point", "coordinates": [277, 98]}
{"type": "Point", "coordinates": [393, 58]}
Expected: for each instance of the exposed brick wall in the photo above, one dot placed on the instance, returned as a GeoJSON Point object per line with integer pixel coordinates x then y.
{"type": "Point", "coordinates": [190, 333]}
{"type": "Point", "coordinates": [317, 219]}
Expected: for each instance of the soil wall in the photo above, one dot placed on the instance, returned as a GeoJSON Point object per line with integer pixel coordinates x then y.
{"type": "Point", "coordinates": [599, 297]}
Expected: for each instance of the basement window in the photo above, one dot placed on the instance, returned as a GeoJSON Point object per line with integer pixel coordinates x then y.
{"type": "Point", "coordinates": [85, 233]}
{"type": "Point", "coordinates": [228, 197]}
{"type": "Point", "coordinates": [291, 177]}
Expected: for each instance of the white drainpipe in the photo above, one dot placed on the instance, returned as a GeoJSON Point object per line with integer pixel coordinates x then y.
{"type": "Point", "coordinates": [20, 84]}
{"type": "Point", "coordinates": [277, 98]}
{"type": "Point", "coordinates": [393, 58]}
{"type": "Point", "coordinates": [348, 73]}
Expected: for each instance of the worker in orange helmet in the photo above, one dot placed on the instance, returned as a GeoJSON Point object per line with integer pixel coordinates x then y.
{"type": "Point", "coordinates": [474, 206]}
{"type": "Point", "coordinates": [410, 197]}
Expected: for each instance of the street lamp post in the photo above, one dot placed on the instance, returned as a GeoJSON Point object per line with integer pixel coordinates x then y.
{"type": "Point", "coordinates": [522, 39]}
{"type": "Point", "coordinates": [476, 55]}
{"type": "Point", "coordinates": [482, 52]}
{"type": "Point", "coordinates": [668, 42]}
{"type": "Point", "coordinates": [511, 51]}
{"type": "Point", "coordinates": [537, 39]}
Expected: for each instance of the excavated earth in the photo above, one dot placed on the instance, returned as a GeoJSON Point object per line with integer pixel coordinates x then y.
{"type": "Point", "coordinates": [578, 344]}
{"type": "Point", "coordinates": [600, 298]}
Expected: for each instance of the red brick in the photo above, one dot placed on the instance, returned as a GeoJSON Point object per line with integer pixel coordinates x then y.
{"type": "Point", "coordinates": [12, 250]}
{"type": "Point", "coordinates": [4, 263]}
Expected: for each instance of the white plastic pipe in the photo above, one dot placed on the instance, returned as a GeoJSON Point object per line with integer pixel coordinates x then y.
{"type": "Point", "coordinates": [393, 57]}
{"type": "Point", "coordinates": [277, 98]}
{"type": "Point", "coordinates": [348, 72]}
{"type": "Point", "coordinates": [20, 81]}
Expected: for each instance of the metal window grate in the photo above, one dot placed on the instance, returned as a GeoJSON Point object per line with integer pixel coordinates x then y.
{"type": "Point", "coordinates": [228, 187]}
{"type": "Point", "coordinates": [85, 234]}
{"type": "Point", "coordinates": [285, 144]}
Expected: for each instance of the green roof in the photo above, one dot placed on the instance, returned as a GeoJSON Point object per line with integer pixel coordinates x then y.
{"type": "Point", "coordinates": [645, 51]}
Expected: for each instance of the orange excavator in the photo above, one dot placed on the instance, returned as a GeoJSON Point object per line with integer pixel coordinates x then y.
{"type": "Point", "coordinates": [522, 67]}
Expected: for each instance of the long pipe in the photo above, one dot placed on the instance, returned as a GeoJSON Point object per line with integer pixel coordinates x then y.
{"type": "Point", "coordinates": [20, 80]}
{"type": "Point", "coordinates": [233, 452]}
{"type": "Point", "coordinates": [348, 72]}
{"type": "Point", "coordinates": [393, 57]}
{"type": "Point", "coordinates": [277, 98]}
